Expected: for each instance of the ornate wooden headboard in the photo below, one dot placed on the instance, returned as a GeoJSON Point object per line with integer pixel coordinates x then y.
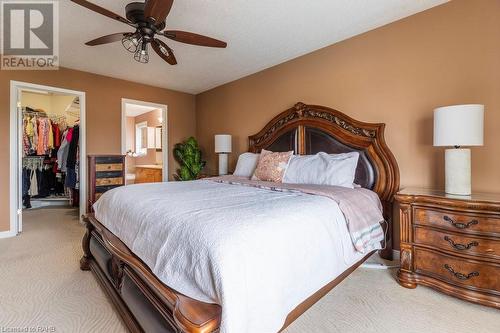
{"type": "Point", "coordinates": [309, 129]}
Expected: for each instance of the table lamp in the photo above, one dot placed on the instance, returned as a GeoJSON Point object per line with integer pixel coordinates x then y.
{"type": "Point", "coordinates": [458, 126]}
{"type": "Point", "coordinates": [223, 148]}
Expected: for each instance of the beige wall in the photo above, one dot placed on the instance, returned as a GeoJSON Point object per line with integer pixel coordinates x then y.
{"type": "Point", "coordinates": [396, 74]}
{"type": "Point", "coordinates": [103, 101]}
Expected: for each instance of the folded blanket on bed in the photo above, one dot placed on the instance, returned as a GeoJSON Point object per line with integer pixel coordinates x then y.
{"type": "Point", "coordinates": [362, 208]}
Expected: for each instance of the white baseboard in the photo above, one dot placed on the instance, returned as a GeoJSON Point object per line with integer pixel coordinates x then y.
{"type": "Point", "coordinates": [7, 234]}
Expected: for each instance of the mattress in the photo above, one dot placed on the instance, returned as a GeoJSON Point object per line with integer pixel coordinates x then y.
{"type": "Point", "coordinates": [257, 252]}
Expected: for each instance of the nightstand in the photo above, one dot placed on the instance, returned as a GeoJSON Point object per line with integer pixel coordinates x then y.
{"type": "Point", "coordinates": [451, 243]}
{"type": "Point", "coordinates": [105, 173]}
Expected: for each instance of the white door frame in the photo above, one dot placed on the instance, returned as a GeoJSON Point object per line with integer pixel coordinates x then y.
{"type": "Point", "coordinates": [164, 130]}
{"type": "Point", "coordinates": [16, 154]}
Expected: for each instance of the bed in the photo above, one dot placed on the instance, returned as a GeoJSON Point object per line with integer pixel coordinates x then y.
{"type": "Point", "coordinates": [151, 292]}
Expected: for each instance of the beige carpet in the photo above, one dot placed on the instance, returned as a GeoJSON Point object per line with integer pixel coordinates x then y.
{"type": "Point", "coordinates": [41, 285]}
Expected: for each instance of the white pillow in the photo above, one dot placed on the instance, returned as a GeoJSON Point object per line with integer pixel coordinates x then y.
{"type": "Point", "coordinates": [247, 162]}
{"type": "Point", "coordinates": [323, 169]}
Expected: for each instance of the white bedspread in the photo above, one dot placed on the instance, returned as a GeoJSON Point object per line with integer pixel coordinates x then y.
{"type": "Point", "coordinates": [258, 253]}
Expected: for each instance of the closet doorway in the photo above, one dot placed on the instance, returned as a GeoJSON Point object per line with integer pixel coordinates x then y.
{"type": "Point", "coordinates": [144, 141]}
{"type": "Point", "coordinates": [48, 159]}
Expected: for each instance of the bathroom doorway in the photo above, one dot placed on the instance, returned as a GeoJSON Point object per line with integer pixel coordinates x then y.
{"type": "Point", "coordinates": [144, 141]}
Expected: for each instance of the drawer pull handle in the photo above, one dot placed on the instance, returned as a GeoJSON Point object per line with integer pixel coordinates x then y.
{"type": "Point", "coordinates": [458, 275]}
{"type": "Point", "coordinates": [458, 246]}
{"type": "Point", "coordinates": [458, 224]}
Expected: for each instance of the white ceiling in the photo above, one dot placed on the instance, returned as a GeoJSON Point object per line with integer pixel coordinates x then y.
{"type": "Point", "coordinates": [259, 33]}
{"type": "Point", "coordinates": [134, 110]}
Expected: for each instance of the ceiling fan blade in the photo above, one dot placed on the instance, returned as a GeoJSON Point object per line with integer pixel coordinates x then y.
{"type": "Point", "coordinates": [158, 10]}
{"type": "Point", "coordinates": [194, 39]}
{"type": "Point", "coordinates": [164, 51]}
{"type": "Point", "coordinates": [108, 39]}
{"type": "Point", "coordinates": [102, 11]}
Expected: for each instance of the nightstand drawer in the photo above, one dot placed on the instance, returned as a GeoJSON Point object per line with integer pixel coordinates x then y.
{"type": "Point", "coordinates": [472, 274]}
{"type": "Point", "coordinates": [109, 167]}
{"type": "Point", "coordinates": [108, 159]}
{"type": "Point", "coordinates": [464, 244]}
{"type": "Point", "coordinates": [108, 181]}
{"type": "Point", "coordinates": [108, 174]}
{"type": "Point", "coordinates": [461, 222]}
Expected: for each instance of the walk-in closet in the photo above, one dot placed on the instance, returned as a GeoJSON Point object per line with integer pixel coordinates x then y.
{"type": "Point", "coordinates": [50, 150]}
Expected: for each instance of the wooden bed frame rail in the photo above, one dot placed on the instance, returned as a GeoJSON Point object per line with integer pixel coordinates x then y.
{"type": "Point", "coordinates": [184, 314]}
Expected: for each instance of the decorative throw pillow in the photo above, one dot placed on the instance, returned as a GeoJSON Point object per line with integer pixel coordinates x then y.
{"type": "Point", "coordinates": [323, 169]}
{"type": "Point", "coordinates": [247, 162]}
{"type": "Point", "coordinates": [272, 166]}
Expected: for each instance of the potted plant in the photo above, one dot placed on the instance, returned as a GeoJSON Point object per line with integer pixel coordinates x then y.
{"type": "Point", "coordinates": [188, 154]}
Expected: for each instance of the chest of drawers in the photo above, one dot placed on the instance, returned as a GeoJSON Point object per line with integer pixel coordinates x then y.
{"type": "Point", "coordinates": [105, 173]}
{"type": "Point", "coordinates": [451, 243]}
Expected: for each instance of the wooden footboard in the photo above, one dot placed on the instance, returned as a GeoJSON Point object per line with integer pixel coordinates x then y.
{"type": "Point", "coordinates": [144, 303]}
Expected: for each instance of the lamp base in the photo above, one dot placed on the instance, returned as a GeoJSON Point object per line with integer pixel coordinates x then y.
{"type": "Point", "coordinates": [458, 171]}
{"type": "Point", "coordinates": [222, 164]}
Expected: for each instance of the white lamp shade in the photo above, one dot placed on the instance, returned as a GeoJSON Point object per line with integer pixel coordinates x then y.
{"type": "Point", "coordinates": [223, 143]}
{"type": "Point", "coordinates": [459, 125]}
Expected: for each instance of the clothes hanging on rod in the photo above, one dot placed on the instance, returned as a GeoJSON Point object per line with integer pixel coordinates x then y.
{"type": "Point", "coordinates": [29, 180]}
{"type": "Point", "coordinates": [40, 181]}
{"type": "Point", "coordinates": [48, 146]}
{"type": "Point", "coordinates": [71, 162]}
{"type": "Point", "coordinates": [41, 132]}
{"type": "Point", "coordinates": [62, 153]}
{"type": "Point", "coordinates": [43, 136]}
{"type": "Point", "coordinates": [73, 147]}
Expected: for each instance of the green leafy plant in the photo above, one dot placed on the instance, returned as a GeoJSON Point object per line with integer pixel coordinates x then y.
{"type": "Point", "coordinates": [188, 154]}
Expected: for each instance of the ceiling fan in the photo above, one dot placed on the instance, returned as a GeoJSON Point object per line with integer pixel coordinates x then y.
{"type": "Point", "coordinates": [148, 19]}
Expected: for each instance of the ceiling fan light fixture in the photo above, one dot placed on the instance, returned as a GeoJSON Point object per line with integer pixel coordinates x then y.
{"type": "Point", "coordinates": [131, 42]}
{"type": "Point", "coordinates": [148, 20]}
{"type": "Point", "coordinates": [142, 55]}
